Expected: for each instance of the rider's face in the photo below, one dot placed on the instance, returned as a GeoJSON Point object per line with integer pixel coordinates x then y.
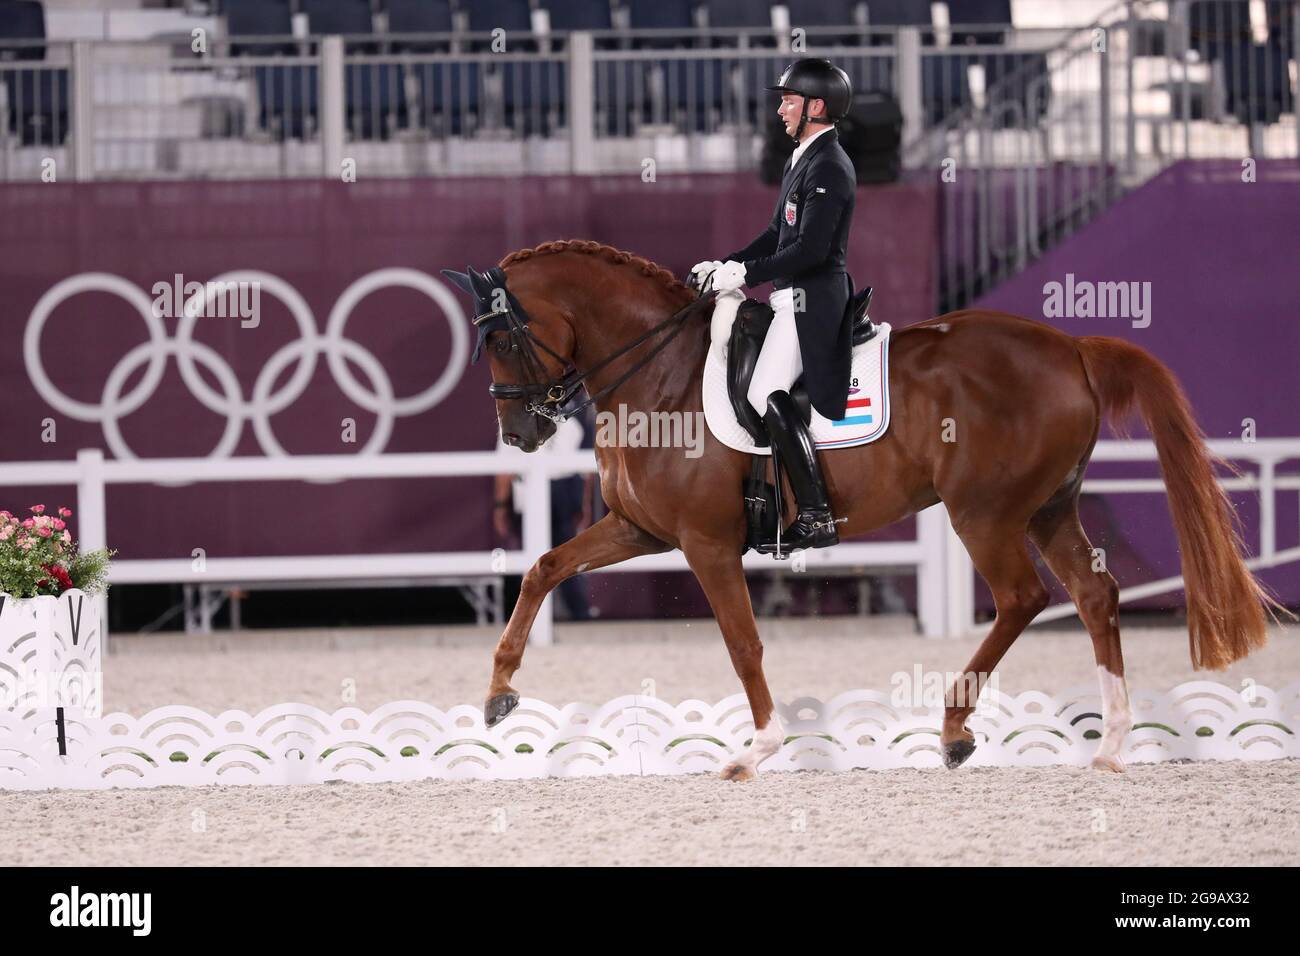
{"type": "Point", "coordinates": [790, 109]}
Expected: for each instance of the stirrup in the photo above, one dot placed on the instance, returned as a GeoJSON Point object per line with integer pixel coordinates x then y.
{"type": "Point", "coordinates": [803, 534]}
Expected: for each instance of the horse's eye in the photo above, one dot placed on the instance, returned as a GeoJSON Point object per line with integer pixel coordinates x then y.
{"type": "Point", "coordinates": [502, 344]}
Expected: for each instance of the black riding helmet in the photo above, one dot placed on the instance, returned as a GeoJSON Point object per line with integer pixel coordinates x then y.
{"type": "Point", "coordinates": [816, 79]}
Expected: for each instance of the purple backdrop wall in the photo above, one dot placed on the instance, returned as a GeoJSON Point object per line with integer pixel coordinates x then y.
{"type": "Point", "coordinates": [1221, 257]}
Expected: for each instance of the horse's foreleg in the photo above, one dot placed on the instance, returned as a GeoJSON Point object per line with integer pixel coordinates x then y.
{"type": "Point", "coordinates": [719, 571]}
{"type": "Point", "coordinates": [610, 540]}
{"type": "Point", "coordinates": [998, 552]}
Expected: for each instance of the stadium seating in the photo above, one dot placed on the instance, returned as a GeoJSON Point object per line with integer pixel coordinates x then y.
{"type": "Point", "coordinates": [376, 104]}
{"type": "Point", "coordinates": [37, 97]}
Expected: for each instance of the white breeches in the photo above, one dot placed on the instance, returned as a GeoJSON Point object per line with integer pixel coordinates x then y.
{"type": "Point", "coordinates": [780, 363]}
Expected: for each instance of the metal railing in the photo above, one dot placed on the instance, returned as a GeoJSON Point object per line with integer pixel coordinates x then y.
{"type": "Point", "coordinates": [1054, 139]}
{"type": "Point", "coordinates": [1178, 84]}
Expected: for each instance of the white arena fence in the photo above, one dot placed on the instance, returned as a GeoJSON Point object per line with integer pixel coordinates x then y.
{"type": "Point", "coordinates": [634, 735]}
{"type": "Point", "coordinates": [945, 577]}
{"type": "Point", "coordinates": [54, 736]}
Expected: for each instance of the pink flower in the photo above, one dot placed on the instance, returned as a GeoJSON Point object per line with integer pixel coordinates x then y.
{"type": "Point", "coordinates": [6, 515]}
{"type": "Point", "coordinates": [38, 509]}
{"type": "Point", "coordinates": [65, 512]}
{"type": "Point", "coordinates": [66, 538]}
{"type": "Point", "coordinates": [44, 532]}
{"type": "Point", "coordinates": [59, 525]}
{"type": "Point", "coordinates": [25, 544]}
{"type": "Point", "coordinates": [6, 532]}
{"type": "Point", "coordinates": [29, 522]}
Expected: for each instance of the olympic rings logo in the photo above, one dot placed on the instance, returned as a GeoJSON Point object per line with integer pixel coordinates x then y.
{"type": "Point", "coordinates": [229, 401]}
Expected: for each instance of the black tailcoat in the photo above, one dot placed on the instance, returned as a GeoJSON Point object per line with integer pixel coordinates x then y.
{"type": "Point", "coordinates": [804, 248]}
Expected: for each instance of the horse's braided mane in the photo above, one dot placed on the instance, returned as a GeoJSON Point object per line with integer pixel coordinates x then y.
{"type": "Point", "coordinates": [610, 254]}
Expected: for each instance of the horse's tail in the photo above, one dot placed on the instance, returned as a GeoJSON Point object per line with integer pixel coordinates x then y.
{"type": "Point", "coordinates": [1225, 604]}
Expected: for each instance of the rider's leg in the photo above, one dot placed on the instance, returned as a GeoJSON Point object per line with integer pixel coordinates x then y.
{"type": "Point", "coordinates": [813, 526]}
{"type": "Point", "coordinates": [780, 363]}
{"type": "Point", "coordinates": [778, 366]}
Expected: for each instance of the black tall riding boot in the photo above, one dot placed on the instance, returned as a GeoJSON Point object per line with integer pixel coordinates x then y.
{"type": "Point", "coordinates": [813, 526]}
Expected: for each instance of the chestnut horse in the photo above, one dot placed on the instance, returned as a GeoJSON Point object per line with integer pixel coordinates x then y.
{"type": "Point", "coordinates": [1025, 401]}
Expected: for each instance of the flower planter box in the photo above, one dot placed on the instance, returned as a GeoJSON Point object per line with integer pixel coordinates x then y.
{"type": "Point", "coordinates": [50, 655]}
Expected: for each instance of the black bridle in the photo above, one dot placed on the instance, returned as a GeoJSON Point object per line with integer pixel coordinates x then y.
{"type": "Point", "coordinates": [547, 396]}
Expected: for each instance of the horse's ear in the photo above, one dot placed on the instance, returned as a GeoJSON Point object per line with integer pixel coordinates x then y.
{"type": "Point", "coordinates": [481, 284]}
{"type": "Point", "coordinates": [462, 281]}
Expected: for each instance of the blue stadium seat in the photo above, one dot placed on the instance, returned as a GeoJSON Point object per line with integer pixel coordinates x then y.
{"type": "Point", "coordinates": [898, 13]}
{"type": "Point", "coordinates": [691, 87]}
{"type": "Point", "coordinates": [532, 96]}
{"type": "Point", "coordinates": [755, 16]}
{"type": "Point", "coordinates": [513, 16]}
{"type": "Point", "coordinates": [1214, 25]}
{"type": "Point", "coordinates": [1281, 25]}
{"type": "Point", "coordinates": [450, 96]}
{"type": "Point", "coordinates": [660, 15]}
{"type": "Point", "coordinates": [569, 15]}
{"type": "Point", "coordinates": [347, 17]}
{"type": "Point", "coordinates": [826, 13]}
{"type": "Point", "coordinates": [1017, 78]}
{"type": "Point", "coordinates": [419, 16]}
{"type": "Point", "coordinates": [979, 12]}
{"type": "Point", "coordinates": [271, 18]}
{"type": "Point", "coordinates": [286, 95]}
{"type": "Point", "coordinates": [38, 98]}
{"type": "Point", "coordinates": [373, 92]}
{"type": "Point", "coordinates": [1257, 86]}
{"type": "Point", "coordinates": [449, 90]}
{"type": "Point", "coordinates": [945, 88]}
{"type": "Point", "coordinates": [1010, 78]}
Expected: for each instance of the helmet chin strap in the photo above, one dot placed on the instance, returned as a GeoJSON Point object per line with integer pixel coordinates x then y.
{"type": "Point", "coordinates": [805, 119]}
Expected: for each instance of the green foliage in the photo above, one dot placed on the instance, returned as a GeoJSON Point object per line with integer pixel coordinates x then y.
{"type": "Point", "coordinates": [89, 570]}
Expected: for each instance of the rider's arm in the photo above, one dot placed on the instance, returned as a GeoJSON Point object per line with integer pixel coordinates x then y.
{"type": "Point", "coordinates": [828, 195]}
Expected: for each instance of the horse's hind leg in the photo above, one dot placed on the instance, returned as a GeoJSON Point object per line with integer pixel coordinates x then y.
{"type": "Point", "coordinates": [1056, 531]}
{"type": "Point", "coordinates": [610, 540]}
{"type": "Point", "coordinates": [997, 549]}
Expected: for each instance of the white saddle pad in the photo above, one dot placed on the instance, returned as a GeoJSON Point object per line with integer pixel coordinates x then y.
{"type": "Point", "coordinates": [865, 419]}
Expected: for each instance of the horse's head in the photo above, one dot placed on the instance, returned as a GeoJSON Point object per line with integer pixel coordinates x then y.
{"type": "Point", "coordinates": [530, 351]}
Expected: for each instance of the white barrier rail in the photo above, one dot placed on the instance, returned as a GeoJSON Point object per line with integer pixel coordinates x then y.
{"type": "Point", "coordinates": [936, 555]}
{"type": "Point", "coordinates": [945, 579]}
{"type": "Point", "coordinates": [1267, 453]}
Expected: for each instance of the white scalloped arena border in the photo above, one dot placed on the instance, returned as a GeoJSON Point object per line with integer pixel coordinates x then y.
{"type": "Point", "coordinates": [408, 740]}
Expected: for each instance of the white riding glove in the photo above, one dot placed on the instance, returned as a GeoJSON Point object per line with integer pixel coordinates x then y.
{"type": "Point", "coordinates": [701, 271]}
{"type": "Point", "coordinates": [730, 275]}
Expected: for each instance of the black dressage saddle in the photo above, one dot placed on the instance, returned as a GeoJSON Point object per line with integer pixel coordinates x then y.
{"type": "Point", "coordinates": [753, 319]}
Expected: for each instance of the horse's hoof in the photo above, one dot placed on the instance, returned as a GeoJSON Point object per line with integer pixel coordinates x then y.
{"type": "Point", "coordinates": [1110, 764]}
{"type": "Point", "coordinates": [498, 708]}
{"type": "Point", "coordinates": [737, 772]}
{"type": "Point", "coordinates": [957, 753]}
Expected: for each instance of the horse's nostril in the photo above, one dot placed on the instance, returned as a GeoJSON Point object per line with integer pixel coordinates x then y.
{"type": "Point", "coordinates": [511, 438]}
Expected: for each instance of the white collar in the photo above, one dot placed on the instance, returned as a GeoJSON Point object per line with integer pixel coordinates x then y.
{"type": "Point", "coordinates": [803, 147]}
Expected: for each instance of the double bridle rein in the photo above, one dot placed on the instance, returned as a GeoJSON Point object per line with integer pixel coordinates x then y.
{"type": "Point", "coordinates": [545, 396]}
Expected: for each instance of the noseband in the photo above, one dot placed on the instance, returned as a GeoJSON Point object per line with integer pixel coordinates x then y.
{"type": "Point", "coordinates": [546, 396]}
